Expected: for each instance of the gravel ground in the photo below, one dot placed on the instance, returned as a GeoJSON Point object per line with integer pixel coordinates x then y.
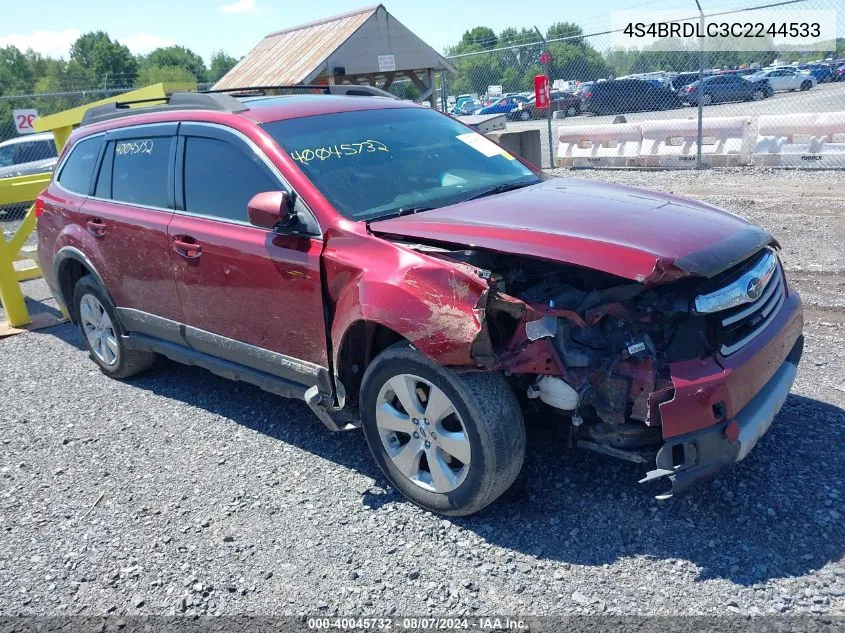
{"type": "Point", "coordinates": [178, 491]}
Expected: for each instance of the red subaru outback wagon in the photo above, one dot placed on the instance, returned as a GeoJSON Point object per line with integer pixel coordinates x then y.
{"type": "Point", "coordinates": [399, 272]}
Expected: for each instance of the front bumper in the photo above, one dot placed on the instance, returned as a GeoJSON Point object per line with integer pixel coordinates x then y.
{"type": "Point", "coordinates": [687, 460]}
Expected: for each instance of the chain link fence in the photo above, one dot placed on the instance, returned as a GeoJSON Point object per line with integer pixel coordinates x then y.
{"type": "Point", "coordinates": [22, 150]}
{"type": "Point", "coordinates": [593, 83]}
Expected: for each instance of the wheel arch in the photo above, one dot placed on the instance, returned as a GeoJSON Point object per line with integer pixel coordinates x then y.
{"type": "Point", "coordinates": [70, 266]}
{"type": "Point", "coordinates": [362, 341]}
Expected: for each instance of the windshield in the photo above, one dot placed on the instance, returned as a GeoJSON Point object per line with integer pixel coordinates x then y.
{"type": "Point", "coordinates": [375, 163]}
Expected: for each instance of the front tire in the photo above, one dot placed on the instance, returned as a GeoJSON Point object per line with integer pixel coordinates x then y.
{"type": "Point", "coordinates": [451, 443]}
{"type": "Point", "coordinates": [101, 330]}
{"type": "Point", "coordinates": [758, 95]}
{"type": "Point", "coordinates": [524, 115]}
{"type": "Point", "coordinates": [806, 85]}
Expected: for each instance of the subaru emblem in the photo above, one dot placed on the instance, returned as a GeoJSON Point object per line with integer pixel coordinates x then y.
{"type": "Point", "coordinates": [754, 288]}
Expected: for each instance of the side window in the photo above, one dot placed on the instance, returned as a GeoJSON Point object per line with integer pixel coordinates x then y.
{"type": "Point", "coordinates": [140, 170]}
{"type": "Point", "coordinates": [37, 150]}
{"type": "Point", "coordinates": [221, 178]}
{"type": "Point", "coordinates": [79, 166]}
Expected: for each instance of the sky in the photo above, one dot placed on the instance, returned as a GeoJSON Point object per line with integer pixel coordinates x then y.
{"type": "Point", "coordinates": [235, 26]}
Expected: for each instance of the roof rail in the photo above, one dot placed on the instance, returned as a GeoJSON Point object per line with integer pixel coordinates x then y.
{"type": "Point", "coordinates": [341, 89]}
{"type": "Point", "coordinates": [175, 101]}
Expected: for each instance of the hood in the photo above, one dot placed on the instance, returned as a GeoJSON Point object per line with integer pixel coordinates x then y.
{"type": "Point", "coordinates": [625, 231]}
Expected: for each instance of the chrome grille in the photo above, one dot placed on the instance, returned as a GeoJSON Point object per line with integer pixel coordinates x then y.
{"type": "Point", "coordinates": [738, 325]}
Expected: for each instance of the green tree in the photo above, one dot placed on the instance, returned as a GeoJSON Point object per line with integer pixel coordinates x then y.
{"type": "Point", "coordinates": [15, 72]}
{"type": "Point", "coordinates": [179, 57]}
{"type": "Point", "coordinates": [158, 74]}
{"type": "Point", "coordinates": [476, 39]}
{"type": "Point", "coordinates": [560, 30]}
{"type": "Point", "coordinates": [104, 57]}
{"type": "Point", "coordinates": [221, 63]}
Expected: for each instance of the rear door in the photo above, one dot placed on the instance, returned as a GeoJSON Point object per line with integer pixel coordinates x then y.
{"type": "Point", "coordinates": [126, 219]}
{"type": "Point", "coordinates": [258, 290]}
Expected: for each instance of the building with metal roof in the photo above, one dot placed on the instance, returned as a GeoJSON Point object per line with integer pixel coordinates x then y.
{"type": "Point", "coordinates": [364, 46]}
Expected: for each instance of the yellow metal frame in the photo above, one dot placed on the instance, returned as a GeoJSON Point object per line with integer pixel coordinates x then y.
{"type": "Point", "coordinates": [25, 188]}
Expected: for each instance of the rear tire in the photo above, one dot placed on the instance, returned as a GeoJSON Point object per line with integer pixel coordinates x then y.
{"type": "Point", "coordinates": [101, 332]}
{"type": "Point", "coordinates": [758, 95]}
{"type": "Point", "coordinates": [524, 115]}
{"type": "Point", "coordinates": [707, 99]}
{"type": "Point", "coordinates": [483, 425]}
{"type": "Point", "coordinates": [806, 85]}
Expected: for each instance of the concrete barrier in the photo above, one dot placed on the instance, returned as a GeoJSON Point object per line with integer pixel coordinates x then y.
{"type": "Point", "coordinates": [599, 145]}
{"type": "Point", "coordinates": [810, 140]}
{"type": "Point", "coordinates": [725, 142]}
{"type": "Point", "coordinates": [525, 144]}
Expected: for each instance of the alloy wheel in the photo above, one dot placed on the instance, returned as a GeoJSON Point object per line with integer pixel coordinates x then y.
{"type": "Point", "coordinates": [99, 329]}
{"type": "Point", "coordinates": [422, 433]}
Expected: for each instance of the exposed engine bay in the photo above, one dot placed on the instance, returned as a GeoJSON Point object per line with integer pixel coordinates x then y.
{"type": "Point", "coordinates": [613, 341]}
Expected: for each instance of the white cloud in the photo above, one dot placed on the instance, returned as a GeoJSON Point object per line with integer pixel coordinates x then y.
{"type": "Point", "coordinates": [58, 43]}
{"type": "Point", "coordinates": [145, 42]}
{"type": "Point", "coordinates": [48, 43]}
{"type": "Point", "coordinates": [239, 6]}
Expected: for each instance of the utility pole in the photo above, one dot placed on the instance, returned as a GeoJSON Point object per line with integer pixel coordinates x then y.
{"type": "Point", "coordinates": [698, 164]}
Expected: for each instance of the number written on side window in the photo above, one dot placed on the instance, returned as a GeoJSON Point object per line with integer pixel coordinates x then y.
{"type": "Point", "coordinates": [221, 178]}
{"type": "Point", "coordinates": [140, 169]}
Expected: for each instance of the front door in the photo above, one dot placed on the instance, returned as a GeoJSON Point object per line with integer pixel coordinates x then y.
{"type": "Point", "coordinates": [240, 283]}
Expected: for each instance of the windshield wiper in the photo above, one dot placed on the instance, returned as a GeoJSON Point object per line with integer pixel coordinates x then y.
{"type": "Point", "coordinates": [410, 210]}
{"type": "Point", "coordinates": [500, 188]}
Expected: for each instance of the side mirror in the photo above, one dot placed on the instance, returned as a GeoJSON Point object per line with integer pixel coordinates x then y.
{"type": "Point", "coordinates": [270, 209]}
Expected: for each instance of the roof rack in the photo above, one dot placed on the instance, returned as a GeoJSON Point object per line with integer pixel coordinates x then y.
{"type": "Point", "coordinates": [175, 101]}
{"type": "Point", "coordinates": [341, 89]}
{"type": "Point", "coordinates": [223, 100]}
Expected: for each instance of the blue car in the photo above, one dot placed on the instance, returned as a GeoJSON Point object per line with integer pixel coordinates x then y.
{"type": "Point", "coordinates": [503, 105]}
{"type": "Point", "coordinates": [821, 72]}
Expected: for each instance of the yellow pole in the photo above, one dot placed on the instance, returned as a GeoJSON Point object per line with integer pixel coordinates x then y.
{"type": "Point", "coordinates": [26, 188]}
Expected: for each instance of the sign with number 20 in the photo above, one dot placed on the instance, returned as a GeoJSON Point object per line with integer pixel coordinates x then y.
{"type": "Point", "coordinates": [24, 120]}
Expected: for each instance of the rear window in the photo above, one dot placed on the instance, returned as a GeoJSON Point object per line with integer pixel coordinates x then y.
{"type": "Point", "coordinates": [79, 166]}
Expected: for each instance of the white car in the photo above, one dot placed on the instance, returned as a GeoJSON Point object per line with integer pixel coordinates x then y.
{"type": "Point", "coordinates": [783, 79]}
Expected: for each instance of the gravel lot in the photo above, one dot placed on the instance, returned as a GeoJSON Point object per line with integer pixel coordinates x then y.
{"type": "Point", "coordinates": [178, 491]}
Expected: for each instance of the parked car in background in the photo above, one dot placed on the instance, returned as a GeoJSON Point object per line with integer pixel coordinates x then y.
{"type": "Point", "coordinates": [568, 102]}
{"type": "Point", "coordinates": [627, 95]}
{"type": "Point", "coordinates": [822, 72]}
{"type": "Point", "coordinates": [684, 79]}
{"type": "Point", "coordinates": [725, 88]}
{"type": "Point", "coordinates": [459, 101]}
{"type": "Point", "coordinates": [402, 274]}
{"type": "Point", "coordinates": [24, 155]}
{"type": "Point", "coordinates": [839, 73]}
{"type": "Point", "coordinates": [469, 106]}
{"type": "Point", "coordinates": [786, 79]}
{"type": "Point", "coordinates": [503, 105]}
{"type": "Point", "coordinates": [583, 87]}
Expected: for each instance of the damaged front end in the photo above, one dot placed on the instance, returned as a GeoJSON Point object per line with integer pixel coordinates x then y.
{"type": "Point", "coordinates": [638, 372]}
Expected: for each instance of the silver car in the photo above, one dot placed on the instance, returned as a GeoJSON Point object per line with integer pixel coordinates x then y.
{"type": "Point", "coordinates": [31, 154]}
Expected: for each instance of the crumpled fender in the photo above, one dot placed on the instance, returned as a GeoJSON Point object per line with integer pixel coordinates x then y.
{"type": "Point", "coordinates": [437, 306]}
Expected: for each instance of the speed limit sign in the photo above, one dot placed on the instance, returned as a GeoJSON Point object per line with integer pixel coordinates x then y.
{"type": "Point", "coordinates": [24, 120]}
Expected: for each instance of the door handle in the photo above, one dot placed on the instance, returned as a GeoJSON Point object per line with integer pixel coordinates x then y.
{"type": "Point", "coordinates": [96, 227]}
{"type": "Point", "coordinates": [187, 246]}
